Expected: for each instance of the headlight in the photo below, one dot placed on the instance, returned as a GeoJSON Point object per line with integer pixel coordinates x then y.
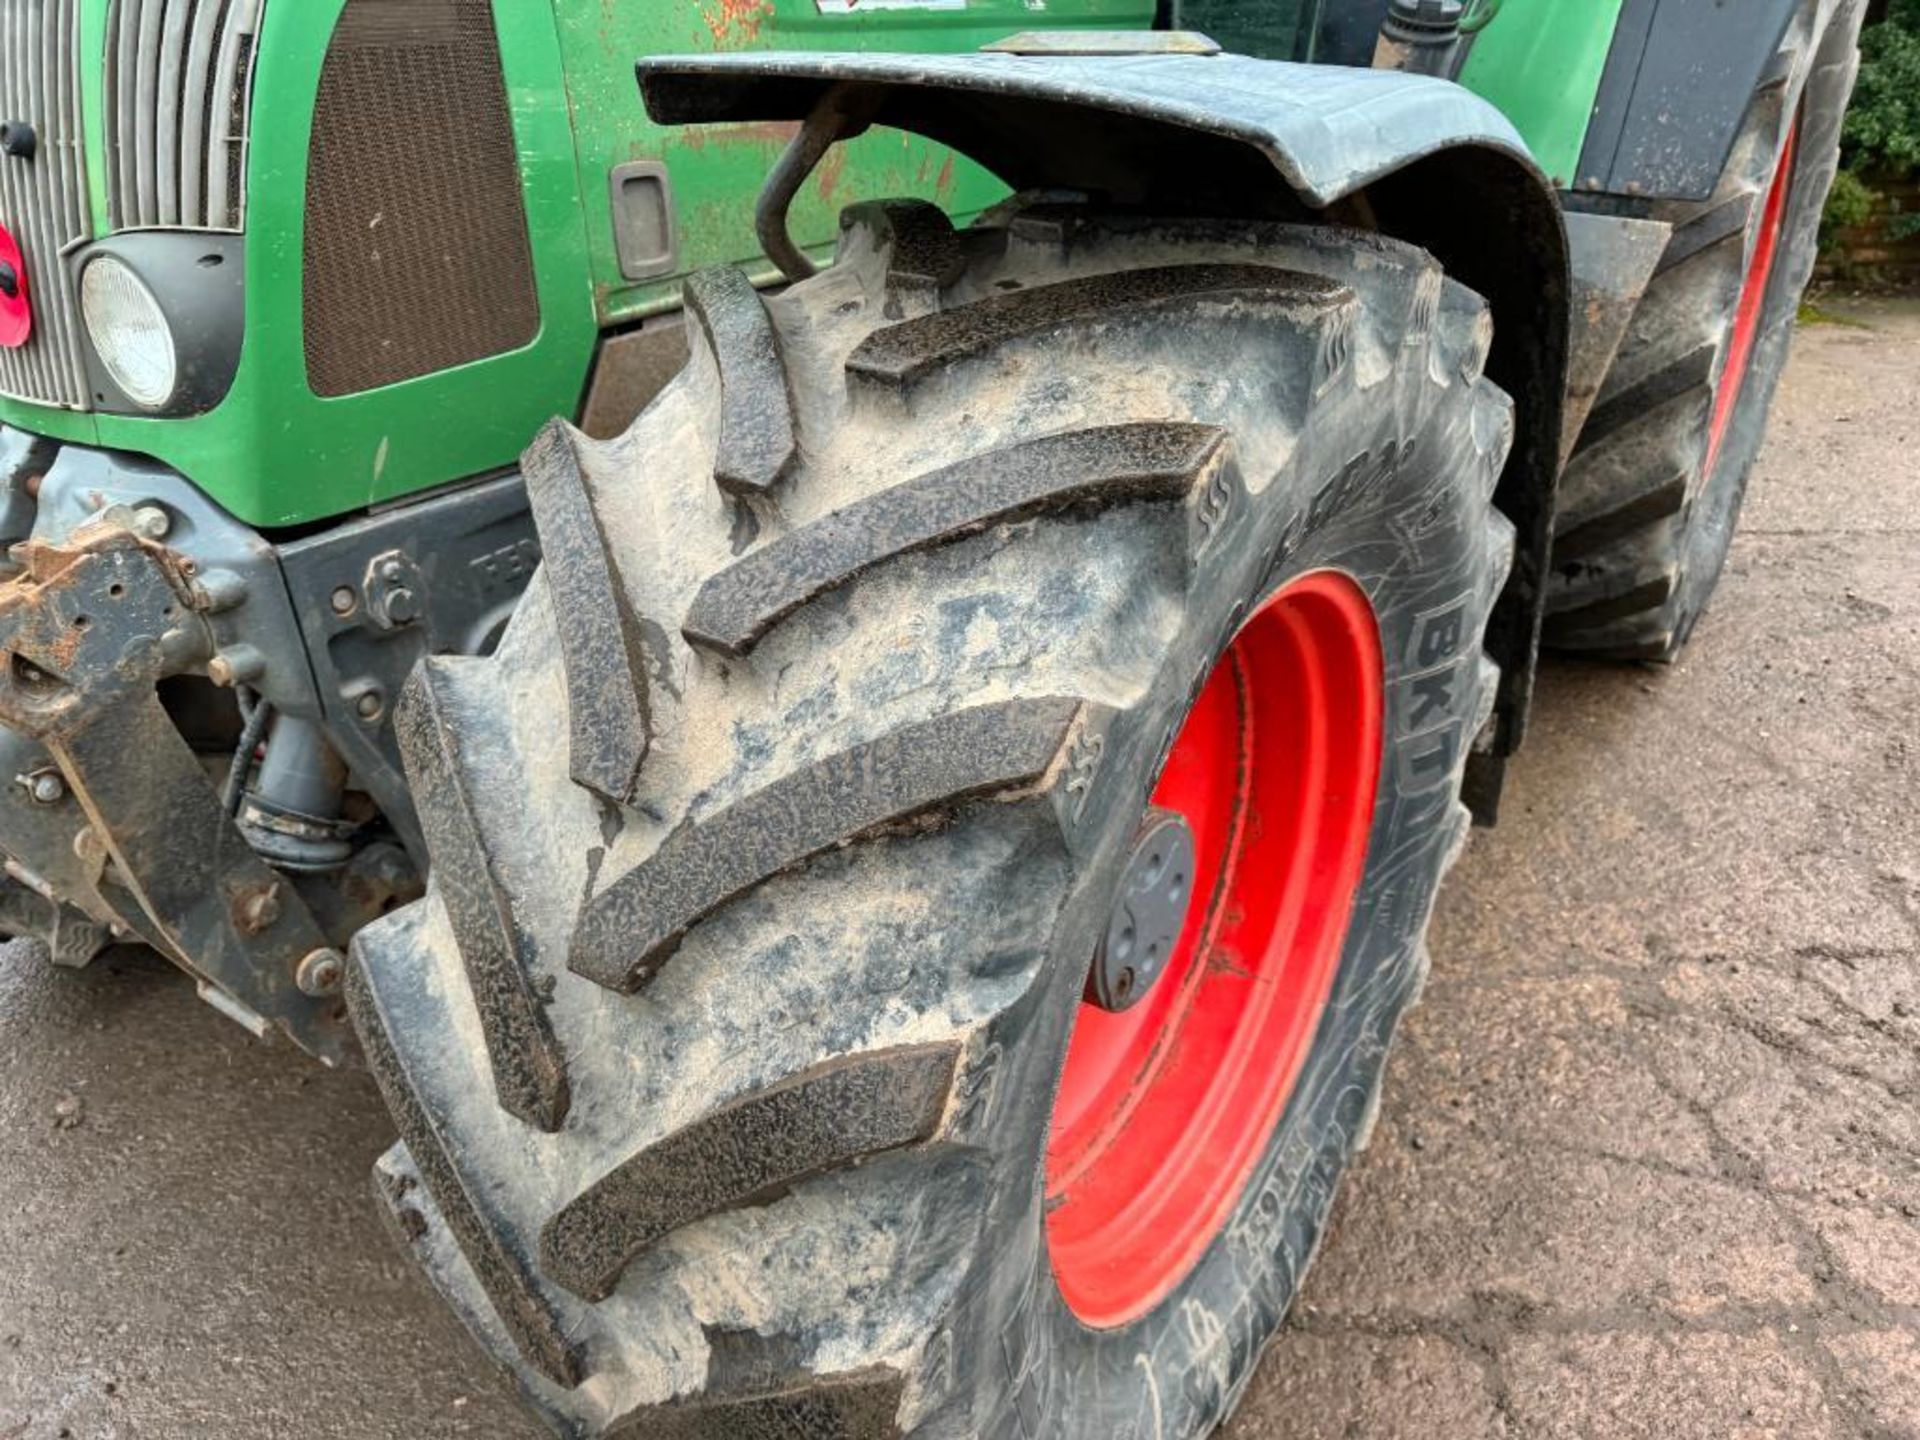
{"type": "Point", "coordinates": [129, 331]}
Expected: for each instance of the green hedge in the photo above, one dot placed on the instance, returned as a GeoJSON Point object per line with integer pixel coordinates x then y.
{"type": "Point", "coordinates": [1881, 139]}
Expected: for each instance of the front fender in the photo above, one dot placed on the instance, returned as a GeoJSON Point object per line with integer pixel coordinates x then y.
{"type": "Point", "coordinates": [1227, 135]}
{"type": "Point", "coordinates": [1104, 122]}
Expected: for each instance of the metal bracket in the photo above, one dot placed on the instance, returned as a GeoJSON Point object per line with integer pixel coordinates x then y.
{"type": "Point", "coordinates": [843, 113]}
{"type": "Point", "coordinates": [463, 557]}
{"type": "Point", "coordinates": [86, 633]}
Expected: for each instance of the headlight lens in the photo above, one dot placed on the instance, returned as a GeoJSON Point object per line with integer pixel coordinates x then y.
{"type": "Point", "coordinates": [129, 331]}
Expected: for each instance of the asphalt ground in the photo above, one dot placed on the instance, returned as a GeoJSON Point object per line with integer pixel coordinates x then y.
{"type": "Point", "coordinates": [1648, 1163]}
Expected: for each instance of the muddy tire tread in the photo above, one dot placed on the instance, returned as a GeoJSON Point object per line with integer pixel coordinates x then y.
{"type": "Point", "coordinates": [1620, 535]}
{"type": "Point", "coordinates": [529, 1071]}
{"type": "Point", "coordinates": [669, 924]}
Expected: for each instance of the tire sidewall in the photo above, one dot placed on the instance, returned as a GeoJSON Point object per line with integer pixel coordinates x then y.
{"type": "Point", "coordinates": [1817, 97]}
{"type": "Point", "coordinates": [1418, 541]}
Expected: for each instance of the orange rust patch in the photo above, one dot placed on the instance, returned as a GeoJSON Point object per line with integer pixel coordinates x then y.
{"type": "Point", "coordinates": [735, 22]}
{"type": "Point", "coordinates": [831, 170]}
{"type": "Point", "coordinates": [61, 650]}
{"type": "Point", "coordinates": [757, 132]}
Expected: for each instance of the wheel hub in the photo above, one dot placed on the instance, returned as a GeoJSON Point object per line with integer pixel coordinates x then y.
{"type": "Point", "coordinates": [1175, 1080]}
{"type": "Point", "coordinates": [1149, 914]}
{"type": "Point", "coordinates": [16, 305]}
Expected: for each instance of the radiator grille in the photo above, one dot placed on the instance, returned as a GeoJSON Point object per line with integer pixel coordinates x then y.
{"type": "Point", "coordinates": [43, 199]}
{"type": "Point", "coordinates": [417, 256]}
{"type": "Point", "coordinates": [179, 83]}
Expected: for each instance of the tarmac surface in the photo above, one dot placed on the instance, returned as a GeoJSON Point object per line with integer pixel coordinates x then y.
{"type": "Point", "coordinates": [1649, 1160]}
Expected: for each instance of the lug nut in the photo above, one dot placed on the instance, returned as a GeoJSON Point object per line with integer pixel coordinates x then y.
{"type": "Point", "coordinates": [320, 972]}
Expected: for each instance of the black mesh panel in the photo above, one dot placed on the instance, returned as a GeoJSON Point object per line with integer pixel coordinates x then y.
{"type": "Point", "coordinates": [417, 256]}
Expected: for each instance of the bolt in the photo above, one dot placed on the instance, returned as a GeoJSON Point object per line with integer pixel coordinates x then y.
{"type": "Point", "coordinates": [320, 972]}
{"type": "Point", "coordinates": [236, 665]}
{"type": "Point", "coordinates": [343, 599]}
{"type": "Point", "coordinates": [88, 847]}
{"type": "Point", "coordinates": [369, 705]}
{"type": "Point", "coordinates": [403, 606]}
{"type": "Point", "coordinates": [223, 589]}
{"type": "Point", "coordinates": [259, 909]}
{"type": "Point", "coordinates": [151, 522]}
{"type": "Point", "coordinates": [46, 787]}
{"type": "Point", "coordinates": [392, 572]}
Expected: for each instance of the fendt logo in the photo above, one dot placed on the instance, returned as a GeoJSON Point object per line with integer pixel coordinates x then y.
{"type": "Point", "coordinates": [16, 310]}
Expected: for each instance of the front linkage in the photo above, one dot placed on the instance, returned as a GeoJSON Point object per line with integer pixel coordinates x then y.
{"type": "Point", "coordinates": [197, 720]}
{"type": "Point", "coordinates": [93, 625]}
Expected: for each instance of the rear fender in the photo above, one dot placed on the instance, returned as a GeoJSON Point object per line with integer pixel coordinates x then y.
{"type": "Point", "coordinates": [1229, 136]}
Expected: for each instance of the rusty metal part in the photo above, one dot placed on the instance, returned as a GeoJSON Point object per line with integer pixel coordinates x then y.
{"type": "Point", "coordinates": [321, 973]}
{"type": "Point", "coordinates": [122, 585]}
{"type": "Point", "coordinates": [178, 851]}
{"type": "Point", "coordinates": [86, 633]}
{"type": "Point", "coordinates": [257, 907]}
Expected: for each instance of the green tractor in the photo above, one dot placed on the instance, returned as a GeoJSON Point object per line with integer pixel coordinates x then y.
{"type": "Point", "coordinates": [878, 859]}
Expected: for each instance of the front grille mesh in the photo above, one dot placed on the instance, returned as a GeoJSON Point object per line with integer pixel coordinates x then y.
{"type": "Point", "coordinates": [179, 81]}
{"type": "Point", "coordinates": [43, 199]}
{"type": "Point", "coordinates": [417, 254]}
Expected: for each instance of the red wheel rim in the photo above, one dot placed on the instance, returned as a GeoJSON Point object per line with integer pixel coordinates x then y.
{"type": "Point", "coordinates": [1164, 1109]}
{"type": "Point", "coordinates": [1753, 297]}
{"type": "Point", "coordinates": [16, 310]}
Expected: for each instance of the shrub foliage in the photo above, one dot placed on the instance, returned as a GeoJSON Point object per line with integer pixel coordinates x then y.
{"type": "Point", "coordinates": [1881, 140]}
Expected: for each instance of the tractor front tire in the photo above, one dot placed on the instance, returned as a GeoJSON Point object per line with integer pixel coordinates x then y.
{"type": "Point", "coordinates": [1651, 497]}
{"type": "Point", "coordinates": [741, 1053]}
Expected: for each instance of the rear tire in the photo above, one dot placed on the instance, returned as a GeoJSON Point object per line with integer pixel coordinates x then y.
{"type": "Point", "coordinates": [772, 846]}
{"type": "Point", "coordinates": [1651, 497]}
